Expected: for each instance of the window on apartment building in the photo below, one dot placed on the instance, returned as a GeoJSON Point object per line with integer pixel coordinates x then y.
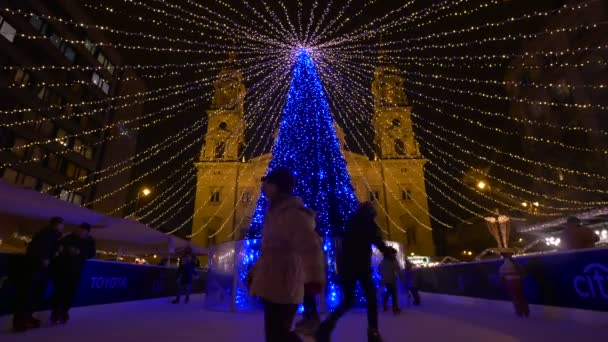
{"type": "Point", "coordinates": [45, 188]}
{"type": "Point", "coordinates": [10, 175]}
{"type": "Point", "coordinates": [69, 53]}
{"type": "Point", "coordinates": [19, 178]}
{"type": "Point", "coordinates": [42, 27]}
{"type": "Point", "coordinates": [54, 162]}
{"type": "Point", "coordinates": [28, 181]}
{"type": "Point", "coordinates": [39, 25]}
{"type": "Point", "coordinates": [61, 137]}
{"type": "Point", "coordinates": [56, 40]}
{"type": "Point", "coordinates": [70, 170]}
{"type": "Point", "coordinates": [43, 93]}
{"type": "Point", "coordinates": [7, 30]}
{"type": "Point", "coordinates": [21, 78]}
{"type": "Point", "coordinates": [70, 196]}
{"type": "Point", "coordinates": [82, 174]}
{"type": "Point", "coordinates": [103, 60]}
{"type": "Point", "coordinates": [18, 149]}
{"type": "Point", "coordinates": [90, 46]}
{"type": "Point", "coordinates": [100, 83]}
{"type": "Point", "coordinates": [83, 149]}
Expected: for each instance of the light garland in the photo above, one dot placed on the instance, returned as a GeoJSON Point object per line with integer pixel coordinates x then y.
{"type": "Point", "coordinates": [354, 111]}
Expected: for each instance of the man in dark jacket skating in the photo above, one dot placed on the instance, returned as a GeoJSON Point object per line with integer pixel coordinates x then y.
{"type": "Point", "coordinates": [185, 275]}
{"type": "Point", "coordinates": [33, 275]}
{"type": "Point", "coordinates": [355, 265]}
{"type": "Point", "coordinates": [74, 250]}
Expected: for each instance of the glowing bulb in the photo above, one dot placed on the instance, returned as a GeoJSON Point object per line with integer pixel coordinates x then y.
{"type": "Point", "coordinates": [146, 191]}
{"type": "Point", "coordinates": [482, 185]}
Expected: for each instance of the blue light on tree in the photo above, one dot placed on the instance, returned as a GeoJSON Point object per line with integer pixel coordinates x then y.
{"type": "Point", "coordinates": [307, 144]}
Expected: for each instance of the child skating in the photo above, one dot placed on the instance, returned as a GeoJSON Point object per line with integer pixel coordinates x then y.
{"type": "Point", "coordinates": [389, 271]}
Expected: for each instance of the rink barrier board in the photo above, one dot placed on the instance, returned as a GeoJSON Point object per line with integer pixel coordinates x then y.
{"type": "Point", "coordinates": [577, 280]}
{"type": "Point", "coordinates": [102, 282]}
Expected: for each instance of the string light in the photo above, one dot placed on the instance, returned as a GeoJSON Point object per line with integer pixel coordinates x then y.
{"type": "Point", "coordinates": [509, 21]}
{"type": "Point", "coordinates": [494, 149]}
{"type": "Point", "coordinates": [516, 208]}
{"type": "Point", "coordinates": [277, 100]}
{"type": "Point", "coordinates": [365, 99]}
{"type": "Point", "coordinates": [66, 149]}
{"type": "Point", "coordinates": [348, 109]}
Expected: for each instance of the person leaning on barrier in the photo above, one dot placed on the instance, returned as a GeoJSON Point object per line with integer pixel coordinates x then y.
{"type": "Point", "coordinates": [576, 236]}
{"type": "Point", "coordinates": [66, 268]}
{"type": "Point", "coordinates": [33, 274]}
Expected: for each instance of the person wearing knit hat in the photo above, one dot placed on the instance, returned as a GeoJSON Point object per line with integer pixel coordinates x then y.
{"type": "Point", "coordinates": [74, 250]}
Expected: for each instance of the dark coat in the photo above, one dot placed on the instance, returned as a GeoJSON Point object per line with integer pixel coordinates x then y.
{"type": "Point", "coordinates": [187, 270]}
{"type": "Point", "coordinates": [73, 252]}
{"type": "Point", "coordinates": [356, 248]}
{"type": "Point", "coordinates": [44, 246]}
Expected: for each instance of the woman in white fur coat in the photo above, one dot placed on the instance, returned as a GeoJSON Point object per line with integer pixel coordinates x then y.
{"type": "Point", "coordinates": [291, 260]}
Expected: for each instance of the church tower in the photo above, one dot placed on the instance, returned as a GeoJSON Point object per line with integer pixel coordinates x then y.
{"type": "Point", "coordinates": [402, 190]}
{"type": "Point", "coordinates": [219, 163]}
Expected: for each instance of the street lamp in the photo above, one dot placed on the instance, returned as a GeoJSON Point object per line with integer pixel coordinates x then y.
{"type": "Point", "coordinates": [481, 185]}
{"type": "Point", "coordinates": [143, 192]}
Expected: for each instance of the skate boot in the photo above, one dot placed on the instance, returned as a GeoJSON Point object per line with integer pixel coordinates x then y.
{"type": "Point", "coordinates": [396, 311]}
{"type": "Point", "coordinates": [175, 301]}
{"type": "Point", "coordinates": [308, 326]}
{"type": "Point", "coordinates": [187, 300]}
{"type": "Point", "coordinates": [373, 335]}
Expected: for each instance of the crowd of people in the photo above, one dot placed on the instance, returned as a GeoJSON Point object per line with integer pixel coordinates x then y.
{"type": "Point", "coordinates": [291, 271]}
{"type": "Point", "coordinates": [51, 255]}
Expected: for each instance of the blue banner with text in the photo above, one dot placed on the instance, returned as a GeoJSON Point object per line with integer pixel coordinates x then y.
{"type": "Point", "coordinates": [566, 279]}
{"type": "Point", "coordinates": [102, 282]}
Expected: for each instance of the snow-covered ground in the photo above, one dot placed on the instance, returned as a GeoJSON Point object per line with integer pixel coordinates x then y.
{"type": "Point", "coordinates": [157, 320]}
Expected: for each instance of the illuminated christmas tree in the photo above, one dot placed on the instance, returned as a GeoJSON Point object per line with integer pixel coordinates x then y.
{"type": "Point", "coordinates": [307, 144]}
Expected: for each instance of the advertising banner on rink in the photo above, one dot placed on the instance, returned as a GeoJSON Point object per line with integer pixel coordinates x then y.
{"type": "Point", "coordinates": [566, 279]}
{"type": "Point", "coordinates": [102, 282]}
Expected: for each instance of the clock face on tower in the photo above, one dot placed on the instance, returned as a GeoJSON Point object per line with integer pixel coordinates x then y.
{"type": "Point", "coordinates": [223, 126]}
{"type": "Point", "coordinates": [396, 123]}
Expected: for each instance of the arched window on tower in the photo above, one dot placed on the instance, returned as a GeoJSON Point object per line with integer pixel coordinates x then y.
{"type": "Point", "coordinates": [220, 149]}
{"type": "Point", "coordinates": [399, 147]}
{"type": "Point", "coordinates": [411, 235]}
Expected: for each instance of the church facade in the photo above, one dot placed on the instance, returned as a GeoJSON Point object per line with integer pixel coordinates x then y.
{"type": "Point", "coordinates": [228, 186]}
